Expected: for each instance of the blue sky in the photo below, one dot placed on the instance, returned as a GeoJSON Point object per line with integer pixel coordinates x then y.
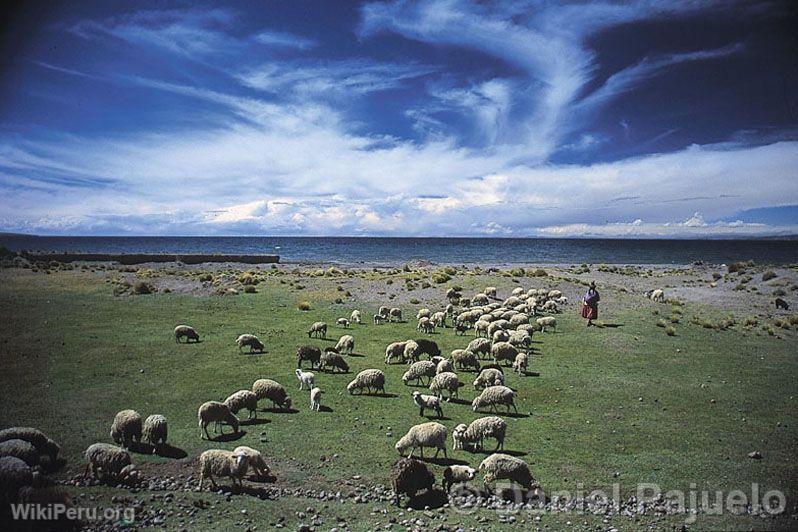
{"type": "Point", "coordinates": [442, 118]}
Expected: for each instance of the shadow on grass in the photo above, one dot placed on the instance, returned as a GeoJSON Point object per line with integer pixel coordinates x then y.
{"type": "Point", "coordinates": [170, 451]}
{"type": "Point", "coordinates": [253, 353]}
{"type": "Point", "coordinates": [433, 498]}
{"type": "Point", "coordinates": [441, 460]}
{"type": "Point", "coordinates": [609, 325]}
{"type": "Point", "coordinates": [436, 418]}
{"type": "Point", "coordinates": [323, 408]}
{"type": "Point", "coordinates": [230, 436]}
{"type": "Point", "coordinates": [281, 410]}
{"type": "Point", "coordinates": [531, 373]}
{"type": "Point", "coordinates": [489, 452]}
{"type": "Point", "coordinates": [458, 401]}
{"type": "Point", "coordinates": [253, 491]}
{"type": "Point", "coordinates": [357, 355]}
{"type": "Point", "coordinates": [255, 421]}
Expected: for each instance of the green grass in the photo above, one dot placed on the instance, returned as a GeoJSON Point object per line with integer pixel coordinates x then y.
{"type": "Point", "coordinates": [74, 354]}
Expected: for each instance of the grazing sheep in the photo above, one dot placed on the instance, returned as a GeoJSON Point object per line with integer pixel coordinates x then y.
{"type": "Point", "coordinates": [430, 434]}
{"type": "Point", "coordinates": [520, 339]}
{"type": "Point", "coordinates": [493, 396]}
{"type": "Point", "coordinates": [411, 352]}
{"type": "Point", "coordinates": [395, 350]}
{"type": "Point", "coordinates": [319, 329]}
{"type": "Point", "coordinates": [106, 461]}
{"type": "Point", "coordinates": [370, 379]}
{"type": "Point", "coordinates": [254, 460]}
{"type": "Point", "coordinates": [550, 307]}
{"type": "Point", "coordinates": [489, 377]}
{"type": "Point", "coordinates": [495, 326]}
{"type": "Point", "coordinates": [439, 319]}
{"type": "Point", "coordinates": [409, 476]}
{"type": "Point", "coordinates": [378, 318]}
{"type": "Point", "coordinates": [427, 347]}
{"type": "Point", "coordinates": [221, 463]}
{"type": "Point", "coordinates": [547, 321]}
{"type": "Point", "coordinates": [385, 312]}
{"type": "Point", "coordinates": [423, 401]}
{"type": "Point", "coordinates": [423, 313]}
{"type": "Point", "coordinates": [273, 391]}
{"type": "Point", "coordinates": [446, 381]}
{"type": "Point", "coordinates": [40, 440]}
{"type": "Point", "coordinates": [155, 431]}
{"type": "Point", "coordinates": [185, 331]}
{"type": "Point", "coordinates": [518, 319]}
{"type": "Point", "coordinates": [781, 304]}
{"type": "Point", "coordinates": [461, 328]}
{"type": "Point", "coordinates": [499, 466]}
{"type": "Point", "coordinates": [464, 359]}
{"type": "Point", "coordinates": [355, 317]}
{"type": "Point", "coordinates": [342, 322]}
{"type": "Point", "coordinates": [527, 327]}
{"type": "Point", "coordinates": [481, 328]}
{"type": "Point", "coordinates": [395, 314]}
{"type": "Point", "coordinates": [15, 475]}
{"type": "Point", "coordinates": [501, 336]}
{"type": "Point", "coordinates": [479, 299]}
{"type": "Point", "coordinates": [457, 474]}
{"type": "Point", "coordinates": [472, 437]}
{"type": "Point", "coordinates": [562, 300]}
{"type": "Point", "coordinates": [425, 325]}
{"type": "Point", "coordinates": [345, 344]}
{"type": "Point", "coordinates": [479, 346]}
{"type": "Point", "coordinates": [419, 370]}
{"type": "Point", "coordinates": [315, 398]}
{"type": "Point", "coordinates": [250, 340]}
{"type": "Point", "coordinates": [503, 351]}
{"type": "Point", "coordinates": [331, 359]}
{"type": "Point", "coordinates": [306, 379]}
{"type": "Point", "coordinates": [521, 363]}
{"type": "Point", "coordinates": [126, 428]}
{"type": "Point", "coordinates": [217, 413]}
{"type": "Point", "coordinates": [449, 310]}
{"type": "Point", "coordinates": [444, 366]}
{"type": "Point", "coordinates": [21, 449]}
{"type": "Point", "coordinates": [243, 399]}
{"type": "Point", "coordinates": [309, 353]}
{"type": "Point", "coordinates": [490, 291]}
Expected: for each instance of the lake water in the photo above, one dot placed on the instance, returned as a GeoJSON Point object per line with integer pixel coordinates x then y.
{"type": "Point", "coordinates": [383, 251]}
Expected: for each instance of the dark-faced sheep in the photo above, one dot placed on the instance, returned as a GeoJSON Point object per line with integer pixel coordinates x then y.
{"type": "Point", "coordinates": [308, 353]}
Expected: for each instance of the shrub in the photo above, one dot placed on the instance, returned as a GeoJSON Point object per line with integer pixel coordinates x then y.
{"type": "Point", "coordinates": [340, 288]}
{"type": "Point", "coordinates": [539, 272]}
{"type": "Point", "coordinates": [142, 288]}
{"type": "Point", "coordinates": [425, 284]}
{"type": "Point", "coordinates": [750, 321]}
{"type": "Point", "coordinates": [441, 277]}
{"type": "Point", "coordinates": [414, 301]}
{"type": "Point", "coordinates": [449, 270]}
{"type": "Point", "coordinates": [661, 323]}
{"type": "Point", "coordinates": [303, 305]}
{"type": "Point", "coordinates": [670, 331]}
{"type": "Point", "coordinates": [768, 275]}
{"type": "Point", "coordinates": [655, 312]}
{"type": "Point", "coordinates": [779, 292]}
{"type": "Point", "coordinates": [674, 319]}
{"type": "Point", "coordinates": [250, 289]}
{"type": "Point", "coordinates": [677, 311]}
{"type": "Point", "coordinates": [517, 272]}
{"type": "Point", "coordinates": [736, 267]}
{"type": "Point", "coordinates": [205, 277]}
{"type": "Point", "coordinates": [716, 276]}
{"type": "Point", "coordinates": [389, 281]}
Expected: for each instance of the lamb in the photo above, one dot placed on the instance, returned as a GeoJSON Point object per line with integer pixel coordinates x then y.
{"type": "Point", "coordinates": [521, 363]}
{"type": "Point", "coordinates": [346, 344]}
{"type": "Point", "coordinates": [562, 300]}
{"type": "Point", "coordinates": [493, 396]}
{"type": "Point", "coordinates": [781, 304]}
{"type": "Point", "coordinates": [315, 398]}
{"type": "Point", "coordinates": [378, 318]}
{"type": "Point", "coordinates": [155, 431]}
{"type": "Point", "coordinates": [21, 449]}
{"type": "Point", "coordinates": [439, 319]}
{"type": "Point", "coordinates": [473, 436]}
{"type": "Point", "coordinates": [425, 325]}
{"type": "Point", "coordinates": [444, 366]}
{"type": "Point", "coordinates": [503, 351]}
{"type": "Point", "coordinates": [465, 359]}
{"type": "Point", "coordinates": [446, 381]}
{"type": "Point", "coordinates": [311, 353]}
{"type": "Point", "coordinates": [479, 346]}
{"type": "Point", "coordinates": [455, 474]}
{"type": "Point", "coordinates": [423, 313]}
{"type": "Point", "coordinates": [411, 352]}
{"type": "Point", "coordinates": [251, 341]}
{"type": "Point", "coordinates": [430, 434]}
{"type": "Point", "coordinates": [40, 440]}
{"type": "Point", "coordinates": [355, 317]}
{"type": "Point", "coordinates": [423, 401]}
{"type": "Point", "coordinates": [499, 466]}
{"type": "Point", "coordinates": [657, 295]}
{"type": "Point", "coordinates": [342, 322]}
{"type": "Point", "coordinates": [489, 377]}
{"type": "Point", "coordinates": [419, 370]}
{"type": "Point", "coordinates": [106, 461]}
{"type": "Point", "coordinates": [189, 333]}
{"type": "Point", "coordinates": [395, 350]}
{"type": "Point", "coordinates": [243, 399]}
{"type": "Point", "coordinates": [273, 391]}
{"type": "Point", "coordinates": [370, 379]}
{"type": "Point", "coordinates": [550, 306]}
{"type": "Point", "coordinates": [15, 475]}
{"type": "Point", "coordinates": [395, 314]}
{"type": "Point", "coordinates": [306, 379]}
{"type": "Point", "coordinates": [331, 359]}
{"type": "Point", "coordinates": [319, 329]}
{"type": "Point", "coordinates": [427, 347]}
{"type": "Point", "coordinates": [547, 321]}
{"type": "Point", "coordinates": [409, 476]}
{"type": "Point", "coordinates": [218, 413]}
{"type": "Point", "coordinates": [254, 460]}
{"type": "Point", "coordinates": [221, 463]}
{"type": "Point", "coordinates": [126, 428]}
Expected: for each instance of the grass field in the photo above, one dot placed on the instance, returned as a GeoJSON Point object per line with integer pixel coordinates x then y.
{"type": "Point", "coordinates": [624, 404]}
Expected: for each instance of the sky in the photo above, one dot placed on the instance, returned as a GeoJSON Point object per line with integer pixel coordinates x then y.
{"type": "Point", "coordinates": [443, 118]}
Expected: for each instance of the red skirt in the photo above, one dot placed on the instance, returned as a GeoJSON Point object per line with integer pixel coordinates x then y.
{"type": "Point", "coordinates": [590, 313]}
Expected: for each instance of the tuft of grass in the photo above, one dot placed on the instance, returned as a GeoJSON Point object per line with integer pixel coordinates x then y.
{"type": "Point", "coordinates": [441, 277]}
{"type": "Point", "coordinates": [414, 301]}
{"type": "Point", "coordinates": [142, 288]}
{"type": "Point", "coordinates": [250, 289]}
{"type": "Point", "coordinates": [662, 323]}
{"type": "Point", "coordinates": [750, 321]}
{"type": "Point", "coordinates": [670, 331]}
{"type": "Point", "coordinates": [303, 305]}
{"type": "Point", "coordinates": [768, 275]}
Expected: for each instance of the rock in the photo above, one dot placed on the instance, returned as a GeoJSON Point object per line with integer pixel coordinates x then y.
{"type": "Point", "coordinates": [756, 455]}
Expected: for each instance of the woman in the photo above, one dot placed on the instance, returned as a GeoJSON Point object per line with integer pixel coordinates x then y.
{"type": "Point", "coordinates": [590, 304]}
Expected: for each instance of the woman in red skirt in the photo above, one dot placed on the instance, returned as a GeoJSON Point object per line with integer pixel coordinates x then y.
{"type": "Point", "coordinates": [590, 304]}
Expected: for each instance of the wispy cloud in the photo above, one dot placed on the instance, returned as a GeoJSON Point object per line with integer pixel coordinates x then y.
{"type": "Point", "coordinates": [285, 40]}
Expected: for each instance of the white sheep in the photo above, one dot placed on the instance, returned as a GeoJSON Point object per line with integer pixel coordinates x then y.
{"type": "Point", "coordinates": [40, 440]}
{"type": "Point", "coordinates": [395, 350]}
{"type": "Point", "coordinates": [419, 370]}
{"type": "Point", "coordinates": [490, 291]}
{"type": "Point", "coordinates": [355, 317]}
{"type": "Point", "coordinates": [493, 396]}
{"type": "Point", "coordinates": [379, 318]}
{"type": "Point", "coordinates": [319, 329]}
{"type": "Point", "coordinates": [345, 344]}
{"type": "Point", "coordinates": [503, 351]}
{"type": "Point", "coordinates": [431, 434]}
{"type": "Point", "coordinates": [438, 319]}
{"type": "Point", "coordinates": [457, 474]}
{"type": "Point", "coordinates": [547, 321]}
{"type": "Point", "coordinates": [217, 413]}
{"type": "Point", "coordinates": [251, 341]}
{"type": "Point", "coordinates": [518, 319]}
{"type": "Point", "coordinates": [445, 382]}
{"type": "Point", "coordinates": [385, 312]}
{"type": "Point", "coordinates": [315, 398]}
{"type": "Point", "coordinates": [273, 391]}
{"type": "Point", "coordinates": [499, 466]}
{"type": "Point", "coordinates": [412, 351]}
{"type": "Point", "coordinates": [489, 377]}
{"type": "Point", "coordinates": [444, 366]}
{"type": "Point", "coordinates": [243, 399]}
{"type": "Point", "coordinates": [423, 313]}
{"type": "Point", "coordinates": [550, 306]}
{"type": "Point", "coordinates": [479, 346]}
{"type": "Point", "coordinates": [126, 428]}
{"type": "Point", "coordinates": [423, 401]}
{"type": "Point", "coordinates": [554, 294]}
{"type": "Point", "coordinates": [342, 322]}
{"type": "Point", "coordinates": [221, 463]}
{"type": "Point", "coordinates": [521, 363]}
{"type": "Point", "coordinates": [481, 328]}
{"type": "Point", "coordinates": [370, 379]}
{"type": "Point", "coordinates": [106, 461]}
{"type": "Point", "coordinates": [306, 379]}
{"type": "Point", "coordinates": [21, 449]}
{"type": "Point", "coordinates": [520, 339]}
{"type": "Point", "coordinates": [425, 325]}
{"type": "Point", "coordinates": [14, 476]}
{"type": "Point", "coordinates": [395, 314]}
{"type": "Point", "coordinates": [473, 436]}
{"type": "Point", "coordinates": [184, 331]}
{"type": "Point", "coordinates": [658, 295]}
{"type": "Point", "coordinates": [464, 359]}
{"type": "Point", "coordinates": [155, 431]}
{"type": "Point", "coordinates": [254, 460]}
{"type": "Point", "coordinates": [501, 336]}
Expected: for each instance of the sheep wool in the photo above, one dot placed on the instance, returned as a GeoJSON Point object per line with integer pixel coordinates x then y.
{"type": "Point", "coordinates": [430, 402]}
{"type": "Point", "coordinates": [106, 461]}
{"type": "Point", "coordinates": [21, 449]}
{"type": "Point", "coordinates": [215, 412]}
{"type": "Point", "coordinates": [309, 353]}
{"type": "Point", "coordinates": [355, 317]}
{"type": "Point", "coordinates": [547, 321]}
{"type": "Point", "coordinates": [419, 370]}
{"type": "Point", "coordinates": [395, 350]}
{"type": "Point", "coordinates": [334, 361]}
{"type": "Point", "coordinates": [251, 341]}
{"type": "Point", "coordinates": [465, 359]}
{"type": "Point", "coordinates": [445, 382]}
{"type": "Point", "coordinates": [409, 476]}
{"type": "Point", "coordinates": [155, 431]}
{"type": "Point", "coordinates": [318, 329]}
{"type": "Point", "coordinates": [40, 440]}
{"type": "Point", "coordinates": [255, 460]}
{"type": "Point", "coordinates": [368, 379]}
{"type": "Point", "coordinates": [488, 377]}
{"type": "Point", "coordinates": [499, 466]}
{"type": "Point", "coordinates": [315, 398]}
{"type": "Point", "coordinates": [221, 463]}
{"type": "Point", "coordinates": [444, 366]}
{"type": "Point", "coordinates": [273, 391]}
{"type": "Point", "coordinates": [479, 346]}
{"type": "Point", "coordinates": [521, 363]}
{"type": "Point", "coordinates": [14, 475]}
{"type": "Point", "coordinates": [306, 379]}
{"type": "Point", "coordinates": [126, 428]}
{"type": "Point", "coordinates": [243, 399]}
{"type": "Point", "coordinates": [479, 429]}
{"type": "Point", "coordinates": [184, 331]}
{"type": "Point", "coordinates": [503, 351]}
{"type": "Point", "coordinates": [494, 396]}
{"type": "Point", "coordinates": [431, 434]}
{"type": "Point", "coordinates": [456, 474]}
{"type": "Point", "coordinates": [345, 344]}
